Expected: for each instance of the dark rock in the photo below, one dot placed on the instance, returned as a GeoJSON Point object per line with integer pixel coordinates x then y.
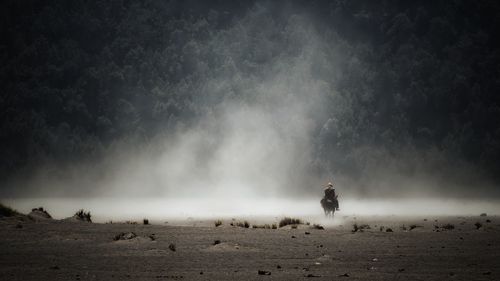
{"type": "Point", "coordinates": [216, 242]}
{"type": "Point", "coordinates": [307, 233]}
{"type": "Point", "coordinates": [312, 275]}
{"type": "Point", "coordinates": [344, 275]}
{"type": "Point", "coordinates": [389, 230]}
{"type": "Point", "coordinates": [125, 236]}
{"type": "Point", "coordinates": [264, 272]}
{"type": "Point", "coordinates": [172, 247]}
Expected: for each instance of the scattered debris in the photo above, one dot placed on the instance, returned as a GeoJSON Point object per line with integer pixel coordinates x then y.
{"type": "Point", "coordinates": [264, 272]}
{"type": "Point", "coordinates": [218, 223]}
{"type": "Point", "coordinates": [172, 247]}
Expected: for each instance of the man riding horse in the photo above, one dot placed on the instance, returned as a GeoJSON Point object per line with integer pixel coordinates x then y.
{"type": "Point", "coordinates": [330, 202]}
{"type": "Point", "coordinates": [330, 195]}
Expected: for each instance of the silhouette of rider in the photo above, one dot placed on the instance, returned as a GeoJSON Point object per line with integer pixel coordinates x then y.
{"type": "Point", "coordinates": [330, 194]}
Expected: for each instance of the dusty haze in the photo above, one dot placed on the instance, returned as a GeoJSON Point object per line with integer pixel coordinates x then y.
{"type": "Point", "coordinates": [257, 101]}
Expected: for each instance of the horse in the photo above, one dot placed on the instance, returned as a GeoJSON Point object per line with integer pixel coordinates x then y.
{"type": "Point", "coordinates": [329, 206]}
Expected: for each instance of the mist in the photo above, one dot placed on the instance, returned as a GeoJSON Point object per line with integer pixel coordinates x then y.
{"type": "Point", "coordinates": [252, 103]}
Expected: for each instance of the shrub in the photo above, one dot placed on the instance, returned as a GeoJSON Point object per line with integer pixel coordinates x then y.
{"type": "Point", "coordinates": [82, 215]}
{"type": "Point", "coordinates": [145, 221]}
{"type": "Point", "coordinates": [244, 224]}
{"type": "Point", "coordinates": [289, 221]}
{"type": "Point", "coordinates": [6, 211]}
{"type": "Point", "coordinates": [218, 223]}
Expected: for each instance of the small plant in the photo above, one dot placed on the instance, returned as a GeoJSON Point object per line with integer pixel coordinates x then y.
{"type": "Point", "coordinates": [84, 216]}
{"type": "Point", "coordinates": [6, 211]}
{"type": "Point", "coordinates": [289, 221]}
{"type": "Point", "coordinates": [244, 224]}
{"type": "Point", "coordinates": [274, 226]}
{"type": "Point", "coordinates": [145, 221]}
{"type": "Point", "coordinates": [218, 223]}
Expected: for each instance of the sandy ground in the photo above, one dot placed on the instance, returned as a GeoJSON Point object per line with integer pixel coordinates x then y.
{"type": "Point", "coordinates": [63, 250]}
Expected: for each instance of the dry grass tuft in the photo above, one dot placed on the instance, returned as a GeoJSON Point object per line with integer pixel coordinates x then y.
{"type": "Point", "coordinates": [289, 221]}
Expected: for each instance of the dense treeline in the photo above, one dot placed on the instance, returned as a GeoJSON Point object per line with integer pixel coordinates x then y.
{"type": "Point", "coordinates": [416, 79]}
